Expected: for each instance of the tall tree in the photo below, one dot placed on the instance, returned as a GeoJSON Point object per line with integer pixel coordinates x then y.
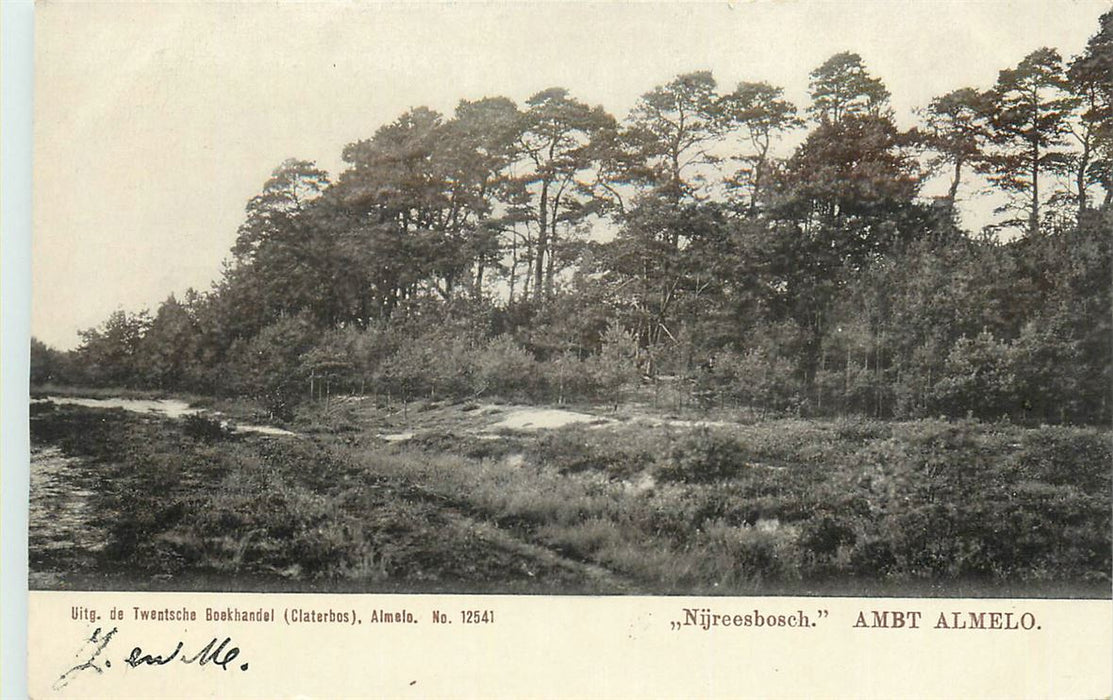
{"type": "Point", "coordinates": [842, 87]}
{"type": "Point", "coordinates": [285, 196]}
{"type": "Point", "coordinates": [673, 129]}
{"type": "Point", "coordinates": [849, 193]}
{"type": "Point", "coordinates": [856, 167]}
{"type": "Point", "coordinates": [278, 264]}
{"type": "Point", "coordinates": [166, 351]}
{"type": "Point", "coordinates": [763, 114]}
{"type": "Point", "coordinates": [672, 133]}
{"type": "Point", "coordinates": [957, 129]}
{"type": "Point", "coordinates": [50, 365]}
{"type": "Point", "coordinates": [1029, 120]}
{"type": "Point", "coordinates": [1091, 79]}
{"type": "Point", "coordinates": [849, 179]}
{"type": "Point", "coordinates": [655, 284]}
{"type": "Point", "coordinates": [110, 351]}
{"type": "Point", "coordinates": [557, 141]}
{"type": "Point", "coordinates": [481, 144]}
{"type": "Point", "coordinates": [413, 201]}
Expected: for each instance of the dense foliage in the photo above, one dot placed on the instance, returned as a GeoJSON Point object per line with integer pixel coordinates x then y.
{"type": "Point", "coordinates": [551, 252]}
{"type": "Point", "coordinates": [953, 508]}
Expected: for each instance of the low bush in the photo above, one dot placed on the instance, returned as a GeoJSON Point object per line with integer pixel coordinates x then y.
{"type": "Point", "coordinates": [204, 428]}
{"type": "Point", "coordinates": [618, 453]}
{"type": "Point", "coordinates": [822, 536]}
{"type": "Point", "coordinates": [1066, 456]}
{"type": "Point", "coordinates": [749, 555]}
{"type": "Point", "coordinates": [755, 509]}
{"type": "Point", "coordinates": [703, 455]}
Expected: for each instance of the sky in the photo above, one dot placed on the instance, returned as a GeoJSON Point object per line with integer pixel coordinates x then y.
{"type": "Point", "coordinates": [156, 122]}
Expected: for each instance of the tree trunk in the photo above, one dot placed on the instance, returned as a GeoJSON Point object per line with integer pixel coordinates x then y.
{"type": "Point", "coordinates": [550, 264]}
{"type": "Point", "coordinates": [542, 245]}
{"type": "Point", "coordinates": [759, 167]}
{"type": "Point", "coordinates": [1034, 214]}
{"type": "Point", "coordinates": [1080, 177]}
{"type": "Point", "coordinates": [513, 266]}
{"type": "Point", "coordinates": [952, 191]}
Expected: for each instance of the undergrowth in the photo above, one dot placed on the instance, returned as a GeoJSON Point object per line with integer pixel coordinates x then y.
{"type": "Point", "coordinates": [762, 508]}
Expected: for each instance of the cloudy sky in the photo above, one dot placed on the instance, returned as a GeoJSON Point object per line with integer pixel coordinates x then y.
{"type": "Point", "coordinates": [155, 123]}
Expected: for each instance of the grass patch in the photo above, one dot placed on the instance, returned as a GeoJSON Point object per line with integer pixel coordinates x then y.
{"type": "Point", "coordinates": [774, 507]}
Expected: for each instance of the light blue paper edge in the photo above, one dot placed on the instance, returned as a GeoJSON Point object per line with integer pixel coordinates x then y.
{"type": "Point", "coordinates": [16, 84]}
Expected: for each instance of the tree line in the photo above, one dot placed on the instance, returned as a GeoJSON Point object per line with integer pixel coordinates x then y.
{"type": "Point", "coordinates": [723, 244]}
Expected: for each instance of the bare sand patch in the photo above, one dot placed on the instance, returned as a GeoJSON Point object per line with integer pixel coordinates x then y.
{"type": "Point", "coordinates": [545, 418]}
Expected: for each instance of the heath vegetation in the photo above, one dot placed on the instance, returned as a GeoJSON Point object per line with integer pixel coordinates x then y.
{"type": "Point", "coordinates": [885, 397]}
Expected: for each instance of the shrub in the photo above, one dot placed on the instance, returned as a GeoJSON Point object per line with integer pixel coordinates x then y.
{"type": "Point", "coordinates": [702, 456]}
{"type": "Point", "coordinates": [758, 378]}
{"type": "Point", "coordinates": [268, 366]}
{"type": "Point", "coordinates": [203, 428]}
{"type": "Point", "coordinates": [437, 363]}
{"type": "Point", "coordinates": [615, 368]}
{"type": "Point", "coordinates": [977, 379]}
{"type": "Point", "coordinates": [824, 535]}
{"type": "Point", "coordinates": [567, 378]}
{"type": "Point", "coordinates": [945, 457]}
{"type": "Point", "coordinates": [505, 369]}
{"type": "Point", "coordinates": [861, 430]}
{"type": "Point", "coordinates": [574, 449]}
{"type": "Point", "coordinates": [1063, 456]}
{"type": "Point", "coordinates": [749, 555]}
{"type": "Point", "coordinates": [873, 558]}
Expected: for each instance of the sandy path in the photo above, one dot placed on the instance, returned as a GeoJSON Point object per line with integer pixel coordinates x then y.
{"type": "Point", "coordinates": [61, 519]}
{"type": "Point", "coordinates": [171, 408]}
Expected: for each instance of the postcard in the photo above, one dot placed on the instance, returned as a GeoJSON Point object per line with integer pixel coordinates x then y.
{"type": "Point", "coordinates": [571, 350]}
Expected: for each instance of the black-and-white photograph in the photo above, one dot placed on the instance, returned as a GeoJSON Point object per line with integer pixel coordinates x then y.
{"type": "Point", "coordinates": [740, 299]}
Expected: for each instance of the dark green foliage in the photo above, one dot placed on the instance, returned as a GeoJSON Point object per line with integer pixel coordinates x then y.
{"type": "Point", "coordinates": [1064, 457]}
{"type": "Point", "coordinates": [550, 252]}
{"type": "Point", "coordinates": [505, 369]}
{"type": "Point", "coordinates": [109, 354]}
{"type": "Point", "coordinates": [577, 449]}
{"type": "Point", "coordinates": [1030, 108]}
{"type": "Point", "coordinates": [269, 367]}
{"type": "Point", "coordinates": [822, 536]}
{"type": "Point", "coordinates": [203, 428]}
{"type": "Point", "coordinates": [758, 509]}
{"type": "Point", "coordinates": [49, 366]}
{"type": "Point", "coordinates": [842, 88]}
{"type": "Point", "coordinates": [703, 455]}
